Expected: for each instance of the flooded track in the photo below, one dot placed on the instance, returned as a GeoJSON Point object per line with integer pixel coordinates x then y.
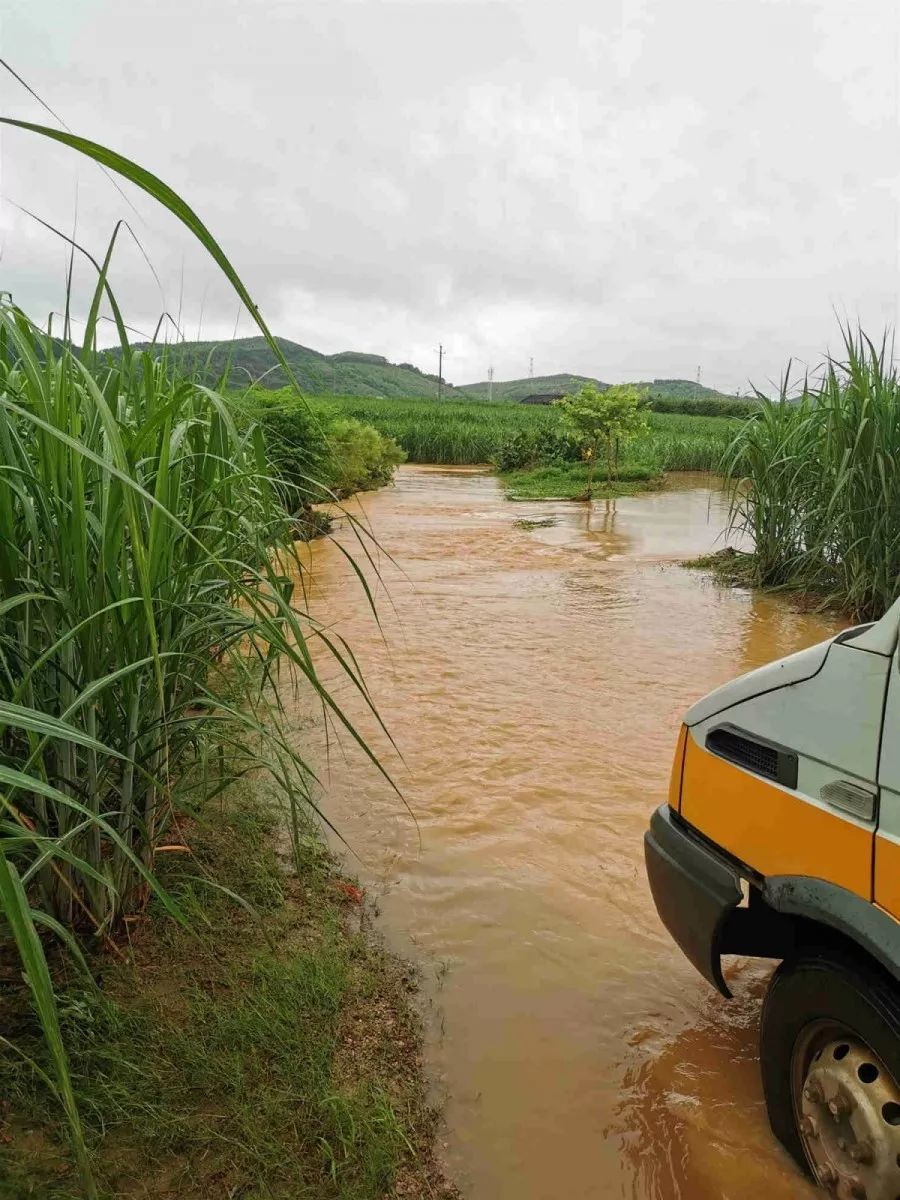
{"type": "Point", "coordinates": [534, 679]}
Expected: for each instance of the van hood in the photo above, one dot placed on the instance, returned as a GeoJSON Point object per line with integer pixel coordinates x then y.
{"type": "Point", "coordinates": [793, 669]}
{"type": "Point", "coordinates": [878, 638]}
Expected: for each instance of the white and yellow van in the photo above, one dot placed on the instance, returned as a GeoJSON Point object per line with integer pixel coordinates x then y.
{"type": "Point", "coordinates": [781, 839]}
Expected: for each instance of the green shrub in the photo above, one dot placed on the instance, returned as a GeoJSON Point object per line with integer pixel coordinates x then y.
{"type": "Point", "coordinates": [319, 456]}
{"type": "Point", "coordinates": [361, 458]}
{"type": "Point", "coordinates": [529, 447]}
{"type": "Point", "coordinates": [610, 419]}
{"type": "Point", "coordinates": [296, 446]}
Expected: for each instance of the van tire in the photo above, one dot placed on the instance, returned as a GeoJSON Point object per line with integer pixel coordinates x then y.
{"type": "Point", "coordinates": [813, 987]}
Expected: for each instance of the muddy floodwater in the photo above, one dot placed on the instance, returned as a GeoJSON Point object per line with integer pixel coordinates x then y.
{"type": "Point", "coordinates": [534, 678]}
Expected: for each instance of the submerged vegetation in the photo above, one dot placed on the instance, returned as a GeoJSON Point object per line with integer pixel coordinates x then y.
{"type": "Point", "coordinates": [816, 482]}
{"type": "Point", "coordinates": [572, 480]}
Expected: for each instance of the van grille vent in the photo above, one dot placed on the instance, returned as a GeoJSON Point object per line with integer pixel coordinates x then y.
{"type": "Point", "coordinates": [761, 760]}
{"type": "Point", "coordinates": [754, 753]}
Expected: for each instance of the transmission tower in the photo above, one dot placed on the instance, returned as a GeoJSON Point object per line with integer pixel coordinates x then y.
{"type": "Point", "coordinates": [531, 368]}
{"type": "Point", "coordinates": [490, 383]}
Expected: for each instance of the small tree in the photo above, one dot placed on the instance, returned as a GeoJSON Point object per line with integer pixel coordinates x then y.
{"type": "Point", "coordinates": [604, 418]}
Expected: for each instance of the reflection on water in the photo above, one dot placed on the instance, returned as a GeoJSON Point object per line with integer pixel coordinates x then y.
{"type": "Point", "coordinates": [534, 679]}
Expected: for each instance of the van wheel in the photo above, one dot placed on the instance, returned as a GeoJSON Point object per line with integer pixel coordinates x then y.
{"type": "Point", "coordinates": [830, 1056]}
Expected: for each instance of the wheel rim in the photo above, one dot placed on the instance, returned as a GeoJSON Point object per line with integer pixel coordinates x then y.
{"type": "Point", "coordinates": [847, 1109]}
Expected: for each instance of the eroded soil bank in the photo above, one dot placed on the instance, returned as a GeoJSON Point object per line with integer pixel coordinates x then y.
{"type": "Point", "coordinates": [534, 675]}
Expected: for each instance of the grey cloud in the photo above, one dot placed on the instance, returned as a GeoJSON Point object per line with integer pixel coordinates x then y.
{"type": "Point", "coordinates": [623, 189]}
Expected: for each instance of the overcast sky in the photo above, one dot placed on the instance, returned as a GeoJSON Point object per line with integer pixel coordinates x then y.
{"type": "Point", "coordinates": [629, 190]}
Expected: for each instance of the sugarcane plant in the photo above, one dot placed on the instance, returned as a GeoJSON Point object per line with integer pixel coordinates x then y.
{"type": "Point", "coordinates": [151, 618]}
{"type": "Point", "coordinates": [815, 480]}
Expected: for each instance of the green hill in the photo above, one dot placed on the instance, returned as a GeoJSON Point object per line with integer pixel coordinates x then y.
{"type": "Point", "coordinates": [518, 389]}
{"type": "Point", "coordinates": [354, 373]}
{"type": "Point", "coordinates": [350, 372]}
{"type": "Point", "coordinates": [683, 389]}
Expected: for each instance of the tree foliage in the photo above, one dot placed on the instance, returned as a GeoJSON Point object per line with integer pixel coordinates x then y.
{"type": "Point", "coordinates": [604, 419]}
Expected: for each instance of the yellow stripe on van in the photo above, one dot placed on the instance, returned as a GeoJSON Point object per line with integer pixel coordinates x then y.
{"type": "Point", "coordinates": [774, 831]}
{"type": "Point", "coordinates": [675, 777]}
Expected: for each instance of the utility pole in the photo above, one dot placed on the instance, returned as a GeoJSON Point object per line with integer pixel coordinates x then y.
{"type": "Point", "coordinates": [440, 368]}
{"type": "Point", "coordinates": [531, 368]}
{"type": "Point", "coordinates": [490, 383]}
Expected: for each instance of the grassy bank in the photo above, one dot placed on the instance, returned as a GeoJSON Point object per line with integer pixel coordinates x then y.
{"type": "Point", "coordinates": [273, 1053]}
{"type": "Point", "coordinates": [452, 432]}
{"type": "Point", "coordinates": [569, 482]}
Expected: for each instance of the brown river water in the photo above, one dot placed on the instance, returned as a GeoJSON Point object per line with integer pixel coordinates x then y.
{"type": "Point", "coordinates": [533, 680]}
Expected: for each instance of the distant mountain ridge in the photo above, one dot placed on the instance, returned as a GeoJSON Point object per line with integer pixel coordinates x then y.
{"type": "Point", "coordinates": [358, 373]}
{"type": "Point", "coordinates": [520, 389]}
{"type": "Point", "coordinates": [350, 372]}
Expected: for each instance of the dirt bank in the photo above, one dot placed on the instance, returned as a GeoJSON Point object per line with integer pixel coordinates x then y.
{"type": "Point", "coordinates": [272, 1050]}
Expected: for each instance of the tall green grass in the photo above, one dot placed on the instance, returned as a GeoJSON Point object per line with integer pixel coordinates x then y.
{"type": "Point", "coordinates": [816, 481]}
{"type": "Point", "coordinates": [700, 406]}
{"type": "Point", "coordinates": [151, 617]}
{"type": "Point", "coordinates": [453, 432]}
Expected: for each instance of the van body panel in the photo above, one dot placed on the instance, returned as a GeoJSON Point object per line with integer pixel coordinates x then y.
{"type": "Point", "coordinates": [771, 828]}
{"type": "Point", "coordinates": [880, 637]}
{"type": "Point", "coordinates": [834, 716]}
{"type": "Point", "coordinates": [677, 767]}
{"type": "Point", "coordinates": [809, 805]}
{"type": "Point", "coordinates": [870, 927]}
{"type": "Point", "coordinates": [788, 780]}
{"type": "Point", "coordinates": [696, 888]}
{"type": "Point", "coordinates": [793, 669]}
{"type": "Point", "coordinates": [887, 843]}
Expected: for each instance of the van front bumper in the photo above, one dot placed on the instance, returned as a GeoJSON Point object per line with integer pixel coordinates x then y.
{"type": "Point", "coordinates": [695, 891]}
